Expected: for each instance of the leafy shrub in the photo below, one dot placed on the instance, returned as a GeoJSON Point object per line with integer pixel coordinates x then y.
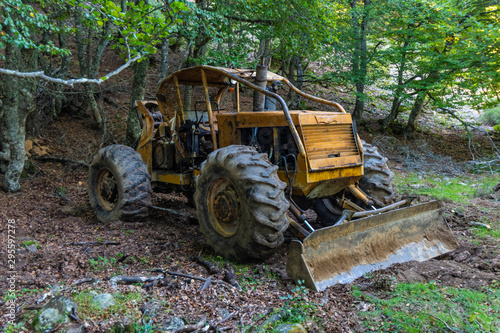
{"type": "Point", "coordinates": [491, 116]}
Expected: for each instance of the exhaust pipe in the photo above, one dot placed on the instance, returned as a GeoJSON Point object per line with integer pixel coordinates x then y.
{"type": "Point", "coordinates": [259, 99]}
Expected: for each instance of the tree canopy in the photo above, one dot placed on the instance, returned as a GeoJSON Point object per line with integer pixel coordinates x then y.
{"type": "Point", "coordinates": [442, 52]}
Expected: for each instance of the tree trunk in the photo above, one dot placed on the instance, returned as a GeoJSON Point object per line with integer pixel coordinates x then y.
{"type": "Point", "coordinates": [89, 62]}
{"type": "Point", "coordinates": [296, 76]}
{"type": "Point", "coordinates": [138, 90]}
{"type": "Point", "coordinates": [415, 112]}
{"type": "Point", "coordinates": [264, 51]}
{"type": "Point", "coordinates": [94, 107]}
{"type": "Point", "coordinates": [396, 102]}
{"type": "Point", "coordinates": [58, 96]}
{"type": "Point", "coordinates": [165, 43]}
{"type": "Point", "coordinates": [360, 58]}
{"type": "Point", "coordinates": [18, 102]}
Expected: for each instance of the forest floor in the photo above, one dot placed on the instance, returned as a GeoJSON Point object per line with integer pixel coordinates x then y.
{"type": "Point", "coordinates": [52, 213]}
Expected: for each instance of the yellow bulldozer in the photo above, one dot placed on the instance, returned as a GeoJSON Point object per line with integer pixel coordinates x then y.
{"type": "Point", "coordinates": [253, 169]}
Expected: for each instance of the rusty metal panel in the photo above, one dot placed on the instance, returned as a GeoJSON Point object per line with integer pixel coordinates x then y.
{"type": "Point", "coordinates": [145, 147]}
{"type": "Point", "coordinates": [329, 141]}
{"type": "Point", "coordinates": [229, 134]}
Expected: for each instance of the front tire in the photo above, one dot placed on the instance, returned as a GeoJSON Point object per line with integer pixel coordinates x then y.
{"type": "Point", "coordinates": [240, 204]}
{"type": "Point", "coordinates": [119, 185]}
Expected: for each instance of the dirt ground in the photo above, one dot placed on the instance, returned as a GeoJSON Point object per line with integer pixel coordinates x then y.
{"type": "Point", "coordinates": [52, 208]}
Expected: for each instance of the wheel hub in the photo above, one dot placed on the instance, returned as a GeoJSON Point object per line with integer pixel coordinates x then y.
{"type": "Point", "coordinates": [224, 207]}
{"type": "Point", "coordinates": [107, 189]}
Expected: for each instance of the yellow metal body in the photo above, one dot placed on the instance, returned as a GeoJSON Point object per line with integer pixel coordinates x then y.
{"type": "Point", "coordinates": [330, 154]}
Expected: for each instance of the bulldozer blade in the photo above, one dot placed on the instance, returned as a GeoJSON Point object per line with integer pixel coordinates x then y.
{"type": "Point", "coordinates": [342, 253]}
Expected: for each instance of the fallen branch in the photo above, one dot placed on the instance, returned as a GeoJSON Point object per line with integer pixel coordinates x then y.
{"type": "Point", "coordinates": [173, 212]}
{"type": "Point", "coordinates": [479, 224]}
{"type": "Point", "coordinates": [223, 283]}
{"type": "Point", "coordinates": [191, 328]}
{"type": "Point", "coordinates": [85, 280]}
{"type": "Point", "coordinates": [208, 265]}
{"type": "Point", "coordinates": [229, 316]}
{"type": "Point", "coordinates": [229, 276]}
{"type": "Point", "coordinates": [206, 284]}
{"type": "Point", "coordinates": [122, 258]}
{"type": "Point", "coordinates": [132, 279]}
{"type": "Point", "coordinates": [93, 243]}
{"type": "Point", "coordinates": [445, 324]}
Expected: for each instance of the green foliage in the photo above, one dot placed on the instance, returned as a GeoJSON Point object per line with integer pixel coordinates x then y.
{"type": "Point", "coordinates": [28, 243]}
{"type": "Point", "coordinates": [101, 263]}
{"type": "Point", "coordinates": [297, 307]}
{"type": "Point", "coordinates": [14, 328]}
{"type": "Point", "coordinates": [492, 117]}
{"type": "Point", "coordinates": [20, 21]}
{"type": "Point", "coordinates": [135, 31]}
{"type": "Point", "coordinates": [423, 307]}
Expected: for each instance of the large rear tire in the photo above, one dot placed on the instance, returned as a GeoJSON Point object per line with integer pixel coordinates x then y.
{"type": "Point", "coordinates": [376, 182]}
{"type": "Point", "coordinates": [240, 204]}
{"type": "Point", "coordinates": [119, 185]}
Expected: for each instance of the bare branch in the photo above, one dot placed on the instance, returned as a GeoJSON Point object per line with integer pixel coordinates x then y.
{"type": "Point", "coordinates": [70, 82]}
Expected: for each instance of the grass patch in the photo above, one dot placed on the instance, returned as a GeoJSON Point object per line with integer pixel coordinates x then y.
{"type": "Point", "coordinates": [449, 189]}
{"type": "Point", "coordinates": [425, 307]}
{"type": "Point", "coordinates": [31, 242]}
{"type": "Point", "coordinates": [487, 233]}
{"type": "Point", "coordinates": [126, 305]}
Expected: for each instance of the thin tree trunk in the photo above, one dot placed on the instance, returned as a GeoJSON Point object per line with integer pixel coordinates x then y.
{"type": "Point", "coordinates": [396, 102]}
{"type": "Point", "coordinates": [415, 112]}
{"type": "Point", "coordinates": [264, 51]}
{"type": "Point", "coordinates": [94, 107]}
{"type": "Point", "coordinates": [164, 59]}
{"type": "Point", "coordinates": [13, 123]}
{"type": "Point", "coordinates": [296, 76]}
{"type": "Point", "coordinates": [360, 61]}
{"type": "Point", "coordinates": [138, 90]}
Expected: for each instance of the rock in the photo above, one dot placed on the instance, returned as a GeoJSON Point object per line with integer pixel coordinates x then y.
{"type": "Point", "coordinates": [274, 318]}
{"type": "Point", "coordinates": [150, 309]}
{"type": "Point", "coordinates": [223, 313]}
{"type": "Point", "coordinates": [462, 256]}
{"type": "Point", "coordinates": [54, 313]}
{"type": "Point", "coordinates": [290, 328]}
{"type": "Point", "coordinates": [172, 324]}
{"type": "Point", "coordinates": [103, 301]}
{"type": "Point", "coordinates": [125, 325]}
{"type": "Point", "coordinates": [73, 328]}
{"type": "Point", "coordinates": [32, 248]}
{"type": "Point", "coordinates": [363, 307]}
